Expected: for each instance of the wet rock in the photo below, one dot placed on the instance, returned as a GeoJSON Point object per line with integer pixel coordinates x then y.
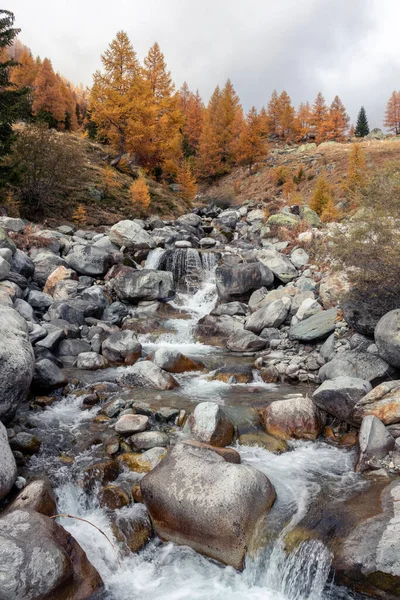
{"type": "Point", "coordinates": [233, 374]}
{"type": "Point", "coordinates": [132, 526]}
{"type": "Point", "coordinates": [100, 472]}
{"type": "Point", "coordinates": [91, 361]}
{"type": "Point", "coordinates": [196, 498]}
{"type": "Point", "coordinates": [147, 284]}
{"type": "Point", "coordinates": [8, 467]}
{"type": "Point", "coordinates": [39, 559]}
{"type": "Point", "coordinates": [215, 329]}
{"type": "Point", "coordinates": [237, 282]}
{"type": "Point", "coordinates": [263, 440]}
{"type": "Point", "coordinates": [374, 442]}
{"type": "Point", "coordinates": [16, 360]}
{"type": "Point", "coordinates": [122, 346]}
{"type": "Point", "coordinates": [339, 396]}
{"type": "Point", "coordinates": [361, 365]}
{"type": "Point", "coordinates": [387, 338]}
{"type": "Point", "coordinates": [383, 402]}
{"type": "Point", "coordinates": [48, 376]}
{"type": "Point", "coordinates": [244, 341]}
{"type": "Point", "coordinates": [173, 361]}
{"type": "Point", "coordinates": [25, 442]}
{"type": "Point", "coordinates": [131, 235]}
{"type": "Point", "coordinates": [128, 424]}
{"type": "Point", "coordinates": [315, 327]}
{"type": "Point", "coordinates": [146, 374]}
{"type": "Point", "coordinates": [142, 463]}
{"type": "Point", "coordinates": [279, 264]}
{"type": "Point", "coordinates": [209, 424]}
{"type": "Point", "coordinates": [228, 454]}
{"type": "Point", "coordinates": [270, 315]}
{"type": "Point", "coordinates": [114, 496]}
{"type": "Point", "coordinates": [149, 439]}
{"type": "Point", "coordinates": [165, 413]}
{"type": "Point", "coordinates": [37, 496]}
{"type": "Point", "coordinates": [296, 417]}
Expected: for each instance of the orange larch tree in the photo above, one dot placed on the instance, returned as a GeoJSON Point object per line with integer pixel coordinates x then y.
{"type": "Point", "coordinates": [227, 117]}
{"type": "Point", "coordinates": [286, 117]}
{"type": "Point", "coordinates": [338, 121]}
{"type": "Point", "coordinates": [48, 103]}
{"type": "Point", "coordinates": [208, 159]}
{"type": "Point", "coordinates": [24, 74]}
{"type": "Point", "coordinates": [303, 121]}
{"type": "Point", "coordinates": [252, 146]}
{"type": "Point", "coordinates": [187, 181]}
{"type": "Point", "coordinates": [70, 119]}
{"type": "Point", "coordinates": [192, 108]}
{"type": "Point", "coordinates": [320, 118]}
{"type": "Point", "coordinates": [273, 114]}
{"type": "Point", "coordinates": [392, 114]}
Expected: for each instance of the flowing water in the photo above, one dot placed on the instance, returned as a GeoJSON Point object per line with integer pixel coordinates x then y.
{"type": "Point", "coordinates": [308, 473]}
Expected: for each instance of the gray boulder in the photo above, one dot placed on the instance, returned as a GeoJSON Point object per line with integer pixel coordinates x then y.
{"type": "Point", "coordinates": [146, 374]}
{"type": "Point", "coordinates": [12, 224]}
{"type": "Point", "coordinates": [318, 326]}
{"type": "Point", "coordinates": [39, 301]}
{"type": "Point", "coordinates": [270, 315]}
{"type": "Point", "coordinates": [209, 424]}
{"type": "Point", "coordinates": [239, 281]}
{"type": "Point", "coordinates": [132, 286]}
{"type": "Point", "coordinates": [197, 499]}
{"type": "Point", "coordinates": [299, 258]}
{"type": "Point", "coordinates": [22, 264]}
{"type": "Point", "coordinates": [73, 347]}
{"type": "Point", "coordinates": [91, 361]}
{"type": "Point", "coordinates": [339, 396]}
{"type": "Point", "coordinates": [245, 341]}
{"type": "Point", "coordinates": [296, 417]}
{"type": "Point", "coordinates": [361, 365]}
{"type": "Point", "coordinates": [387, 337]}
{"type": "Point", "coordinates": [4, 268]}
{"type": "Point", "coordinates": [89, 260]}
{"type": "Point", "coordinates": [383, 402]}
{"type": "Point", "coordinates": [74, 310]}
{"type": "Point", "coordinates": [39, 559]}
{"type": "Point", "coordinates": [279, 264]}
{"type": "Point", "coordinates": [149, 439]}
{"type": "Point", "coordinates": [131, 235]}
{"type": "Point", "coordinates": [374, 441]}
{"type": "Point", "coordinates": [8, 467]}
{"type": "Point", "coordinates": [16, 359]}
{"type": "Point", "coordinates": [122, 346]}
{"type": "Point", "coordinates": [128, 424]}
{"type": "Point", "coordinates": [48, 376]}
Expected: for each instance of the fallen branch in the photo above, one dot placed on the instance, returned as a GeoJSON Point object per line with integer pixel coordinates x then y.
{"type": "Point", "coordinates": [66, 516]}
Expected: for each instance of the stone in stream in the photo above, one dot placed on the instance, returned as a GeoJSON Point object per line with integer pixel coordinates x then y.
{"type": "Point", "coordinates": [39, 559]}
{"type": "Point", "coordinates": [196, 498]}
{"type": "Point", "coordinates": [245, 341]}
{"type": "Point", "coordinates": [91, 361]}
{"type": "Point", "coordinates": [236, 283]}
{"type": "Point", "coordinates": [131, 285]}
{"type": "Point", "coordinates": [47, 376]}
{"type": "Point", "coordinates": [173, 361]}
{"type": "Point", "coordinates": [387, 338]}
{"type": "Point", "coordinates": [132, 526]}
{"type": "Point", "coordinates": [142, 463]}
{"type": "Point", "coordinates": [383, 402]}
{"type": "Point", "coordinates": [149, 439]}
{"type": "Point", "coordinates": [146, 374]}
{"type": "Point", "coordinates": [17, 361]}
{"type": "Point", "coordinates": [315, 327]}
{"type": "Point", "coordinates": [374, 442]}
{"type": "Point", "coordinates": [263, 440]}
{"type": "Point", "coordinates": [122, 346]}
{"type": "Point", "coordinates": [339, 396]}
{"type": "Point", "coordinates": [8, 467]}
{"type": "Point", "coordinates": [37, 496]}
{"type": "Point", "coordinates": [208, 423]}
{"type": "Point", "coordinates": [352, 363]}
{"type": "Point", "coordinates": [296, 417]}
{"type": "Point", "coordinates": [25, 442]}
{"type": "Point", "coordinates": [228, 454]}
{"type": "Point", "coordinates": [128, 424]}
{"type": "Point", "coordinates": [270, 315]}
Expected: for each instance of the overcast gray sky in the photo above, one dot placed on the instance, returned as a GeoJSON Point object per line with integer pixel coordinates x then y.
{"type": "Point", "coordinates": [344, 47]}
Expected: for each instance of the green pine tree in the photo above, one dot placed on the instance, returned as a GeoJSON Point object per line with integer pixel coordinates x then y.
{"type": "Point", "coordinates": [11, 99]}
{"type": "Point", "coordinates": [362, 127]}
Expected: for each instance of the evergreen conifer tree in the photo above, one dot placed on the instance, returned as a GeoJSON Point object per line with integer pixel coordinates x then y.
{"type": "Point", "coordinates": [362, 127]}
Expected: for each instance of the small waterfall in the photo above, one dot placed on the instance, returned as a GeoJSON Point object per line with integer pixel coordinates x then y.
{"type": "Point", "coordinates": [189, 267]}
{"type": "Point", "coordinates": [154, 258]}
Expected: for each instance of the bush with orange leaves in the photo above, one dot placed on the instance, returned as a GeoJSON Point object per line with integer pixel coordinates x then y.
{"type": "Point", "coordinates": [79, 217]}
{"type": "Point", "coordinates": [140, 196]}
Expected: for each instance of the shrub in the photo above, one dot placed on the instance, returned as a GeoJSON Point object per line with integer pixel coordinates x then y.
{"type": "Point", "coordinates": [280, 175]}
{"type": "Point", "coordinates": [140, 195]}
{"type": "Point", "coordinates": [322, 195]}
{"type": "Point", "coordinates": [79, 217]}
{"type": "Point", "coordinates": [299, 175]}
{"type": "Point", "coordinates": [111, 185]}
{"type": "Point", "coordinates": [47, 166]}
{"type": "Point", "coordinates": [369, 247]}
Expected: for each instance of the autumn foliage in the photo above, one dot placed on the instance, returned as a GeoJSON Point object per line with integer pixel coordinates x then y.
{"type": "Point", "coordinates": [392, 114]}
{"type": "Point", "coordinates": [322, 197]}
{"type": "Point", "coordinates": [187, 181]}
{"type": "Point", "coordinates": [140, 195]}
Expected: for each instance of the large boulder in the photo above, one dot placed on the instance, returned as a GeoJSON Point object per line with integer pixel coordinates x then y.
{"type": "Point", "coordinates": [122, 346]}
{"type": "Point", "coordinates": [237, 282]}
{"type": "Point", "coordinates": [270, 315]}
{"type": "Point", "coordinates": [74, 310]}
{"type": "Point", "coordinates": [17, 361]}
{"type": "Point", "coordinates": [387, 337]}
{"type": "Point", "coordinates": [39, 559]}
{"type": "Point", "coordinates": [146, 374]}
{"type": "Point", "coordinates": [173, 361]}
{"type": "Point", "coordinates": [196, 498]}
{"type": "Point", "coordinates": [210, 424]}
{"type": "Point", "coordinates": [219, 328]}
{"type": "Point", "coordinates": [316, 327]}
{"type": "Point", "coordinates": [383, 402]}
{"type": "Point", "coordinates": [360, 316]}
{"type": "Point", "coordinates": [48, 376]}
{"type": "Point", "coordinates": [339, 396]}
{"type": "Point", "coordinates": [8, 468]}
{"type": "Point", "coordinates": [293, 418]}
{"type": "Point", "coordinates": [245, 341]}
{"type": "Point", "coordinates": [147, 284]}
{"type": "Point", "coordinates": [352, 363]}
{"type": "Point", "coordinates": [279, 264]}
{"type": "Point", "coordinates": [131, 235]}
{"type": "Point", "coordinates": [374, 442]}
{"type": "Point", "coordinates": [89, 260]}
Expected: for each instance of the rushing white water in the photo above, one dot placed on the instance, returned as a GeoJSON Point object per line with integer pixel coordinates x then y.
{"type": "Point", "coordinates": [154, 258]}
{"type": "Point", "coordinates": [168, 572]}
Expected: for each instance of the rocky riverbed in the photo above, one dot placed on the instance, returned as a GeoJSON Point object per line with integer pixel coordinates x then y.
{"type": "Point", "coordinates": [189, 410]}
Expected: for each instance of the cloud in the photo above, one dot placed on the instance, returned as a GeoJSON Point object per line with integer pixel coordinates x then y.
{"type": "Point", "coordinates": [303, 46]}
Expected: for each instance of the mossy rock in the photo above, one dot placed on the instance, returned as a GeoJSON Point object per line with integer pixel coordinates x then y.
{"type": "Point", "coordinates": [263, 440]}
{"type": "Point", "coordinates": [283, 220]}
{"type": "Point", "coordinates": [297, 536]}
{"type": "Point", "coordinates": [310, 217]}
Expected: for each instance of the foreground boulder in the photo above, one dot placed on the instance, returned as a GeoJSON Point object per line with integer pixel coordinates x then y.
{"type": "Point", "coordinates": [383, 402]}
{"type": "Point", "coordinates": [339, 396]}
{"type": "Point", "coordinates": [173, 361]}
{"type": "Point", "coordinates": [270, 315]}
{"type": "Point", "coordinates": [8, 468]}
{"type": "Point", "coordinates": [374, 442]}
{"type": "Point", "coordinates": [209, 424]}
{"type": "Point", "coordinates": [318, 326]}
{"type": "Point", "coordinates": [90, 260]}
{"type": "Point", "coordinates": [237, 282]}
{"type": "Point", "coordinates": [131, 235]}
{"type": "Point", "coordinates": [17, 361]}
{"type": "Point", "coordinates": [279, 264]}
{"type": "Point", "coordinates": [39, 559]}
{"type": "Point", "coordinates": [196, 498]}
{"type": "Point", "coordinates": [147, 374]}
{"type": "Point", "coordinates": [133, 286]}
{"type": "Point", "coordinates": [387, 338]}
{"type": "Point", "coordinates": [353, 363]}
{"type": "Point", "coordinates": [122, 346]}
{"type": "Point", "coordinates": [293, 418]}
